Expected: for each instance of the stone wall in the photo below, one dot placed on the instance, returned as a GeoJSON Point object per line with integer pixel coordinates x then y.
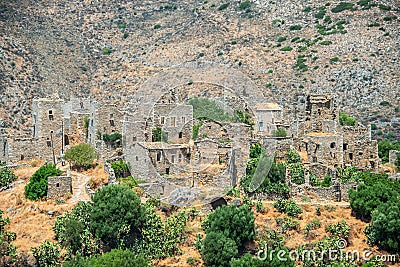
{"type": "Point", "coordinates": [110, 173]}
{"type": "Point", "coordinates": [59, 187]}
{"type": "Point", "coordinates": [393, 156]}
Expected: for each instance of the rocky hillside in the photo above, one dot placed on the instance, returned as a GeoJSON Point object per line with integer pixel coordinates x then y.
{"type": "Point", "coordinates": [108, 48]}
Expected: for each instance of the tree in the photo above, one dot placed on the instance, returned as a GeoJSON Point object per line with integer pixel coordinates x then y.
{"type": "Point", "coordinates": [236, 223]}
{"type": "Point", "coordinates": [369, 196]}
{"type": "Point", "coordinates": [113, 140]}
{"type": "Point", "coordinates": [37, 187]}
{"type": "Point", "coordinates": [82, 155]}
{"type": "Point", "coordinates": [47, 254]}
{"type": "Point", "coordinates": [158, 135]}
{"type": "Point", "coordinates": [218, 250]}
{"type": "Point", "coordinates": [384, 229]}
{"type": "Point", "coordinates": [208, 109]}
{"type": "Point", "coordinates": [346, 120]}
{"type": "Point", "coordinates": [6, 176]}
{"type": "Point", "coordinates": [116, 215]}
{"type": "Point", "coordinates": [292, 156]}
{"type": "Point", "coordinates": [73, 231]}
{"type": "Point", "coordinates": [384, 147]}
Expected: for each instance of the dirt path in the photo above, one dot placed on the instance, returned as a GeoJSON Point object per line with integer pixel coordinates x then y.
{"type": "Point", "coordinates": [79, 182]}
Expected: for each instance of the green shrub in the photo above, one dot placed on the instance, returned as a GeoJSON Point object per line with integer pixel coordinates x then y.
{"type": "Point", "coordinates": [295, 28]}
{"type": "Point", "coordinates": [370, 195]}
{"type": "Point", "coordinates": [120, 258]}
{"type": "Point", "coordinates": [47, 254]}
{"type": "Point", "coordinates": [113, 140]}
{"type": "Point", "coordinates": [73, 231]}
{"type": "Point", "coordinates": [314, 224]}
{"type": "Point", "coordinates": [160, 239]}
{"type": "Point", "coordinates": [384, 103]}
{"type": "Point", "coordinates": [346, 120]}
{"type": "Point", "coordinates": [37, 187]}
{"type": "Point", "coordinates": [339, 229]}
{"type": "Point", "coordinates": [327, 182]}
{"type": "Point", "coordinates": [208, 109]}
{"type": "Point", "coordinates": [106, 51]}
{"type": "Point", "coordinates": [334, 59]}
{"type": "Point", "coordinates": [384, 229]}
{"type": "Point", "coordinates": [81, 156]}
{"type": "Point", "coordinates": [342, 6]}
{"type": "Point", "coordinates": [280, 132]}
{"type": "Point", "coordinates": [236, 223]}
{"type": "Point", "coordinates": [383, 7]}
{"type": "Point", "coordinates": [287, 206]}
{"type": "Point", "coordinates": [307, 9]}
{"type": "Point", "coordinates": [282, 39]}
{"type": "Point", "coordinates": [384, 147]}
{"type": "Point", "coordinates": [223, 6]}
{"type": "Point", "coordinates": [196, 128]}
{"type": "Point", "coordinates": [116, 215]}
{"type": "Point", "coordinates": [7, 248]}
{"type": "Point", "coordinates": [325, 43]}
{"type": "Point", "coordinates": [286, 48]}
{"type": "Point", "coordinates": [122, 25]}
{"type": "Point", "coordinates": [287, 223]}
{"type": "Point", "coordinates": [292, 156]}
{"type": "Point", "coordinates": [157, 26]}
{"type": "Point", "coordinates": [121, 169]}
{"type": "Point", "coordinates": [6, 176]}
{"type": "Point", "coordinates": [218, 250]}
{"type": "Point", "coordinates": [244, 5]}
{"type": "Point", "coordinates": [321, 13]}
{"type": "Point", "coordinates": [296, 173]}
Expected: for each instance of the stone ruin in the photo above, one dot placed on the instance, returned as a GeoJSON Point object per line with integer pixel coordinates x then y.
{"type": "Point", "coordinates": [59, 187]}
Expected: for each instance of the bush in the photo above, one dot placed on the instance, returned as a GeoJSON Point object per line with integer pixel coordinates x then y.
{"type": "Point", "coordinates": [384, 229]}
{"type": "Point", "coordinates": [295, 28]}
{"type": "Point", "coordinates": [325, 43]}
{"type": "Point", "coordinates": [116, 215]}
{"type": "Point", "coordinates": [158, 135]}
{"type": "Point", "coordinates": [339, 229]}
{"type": "Point", "coordinates": [286, 48]}
{"type": "Point", "coordinates": [37, 187]}
{"type": "Point", "coordinates": [47, 254]}
{"type": "Point", "coordinates": [236, 223]}
{"type": "Point", "coordinates": [6, 246]}
{"type": "Point", "coordinates": [244, 5]}
{"type": "Point", "coordinates": [218, 249]}
{"type": "Point", "coordinates": [280, 132]}
{"type": "Point", "coordinates": [370, 195]}
{"type": "Point", "coordinates": [342, 6]}
{"type": "Point", "coordinates": [296, 173]}
{"type": "Point", "coordinates": [121, 169]}
{"type": "Point", "coordinates": [282, 39]}
{"type": "Point", "coordinates": [106, 51]}
{"type": "Point", "coordinates": [314, 224]}
{"type": "Point", "coordinates": [120, 258]}
{"type": "Point", "coordinates": [113, 140]}
{"type": "Point", "coordinates": [384, 147]}
{"type": "Point", "coordinates": [81, 156]}
{"type": "Point", "coordinates": [73, 231]}
{"type": "Point", "coordinates": [292, 156]}
{"type": "Point", "coordinates": [287, 206]}
{"type": "Point", "coordinates": [249, 261]}
{"type": "Point", "coordinates": [208, 109]}
{"type": "Point", "coordinates": [346, 120]}
{"type": "Point", "coordinates": [6, 176]}
{"type": "Point", "coordinates": [160, 239]}
{"type": "Point", "coordinates": [223, 6]}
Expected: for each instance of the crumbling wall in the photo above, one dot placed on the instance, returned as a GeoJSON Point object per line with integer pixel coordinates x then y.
{"type": "Point", "coordinates": [173, 120]}
{"type": "Point", "coordinates": [59, 187]}
{"type": "Point", "coordinates": [358, 148]}
{"type": "Point", "coordinates": [324, 148]}
{"type": "Point", "coordinates": [393, 156]}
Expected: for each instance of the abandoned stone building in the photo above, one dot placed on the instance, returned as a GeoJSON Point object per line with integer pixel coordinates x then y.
{"type": "Point", "coordinates": [58, 125]}
{"type": "Point", "coordinates": [59, 187]}
{"type": "Point", "coordinates": [324, 144]}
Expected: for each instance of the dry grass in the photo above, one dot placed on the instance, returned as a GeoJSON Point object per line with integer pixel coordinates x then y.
{"type": "Point", "coordinates": [98, 176]}
{"type": "Point", "coordinates": [29, 219]}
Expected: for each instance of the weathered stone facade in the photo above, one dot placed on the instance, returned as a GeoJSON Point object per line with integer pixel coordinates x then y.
{"type": "Point", "coordinates": [393, 156]}
{"type": "Point", "coordinates": [59, 187]}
